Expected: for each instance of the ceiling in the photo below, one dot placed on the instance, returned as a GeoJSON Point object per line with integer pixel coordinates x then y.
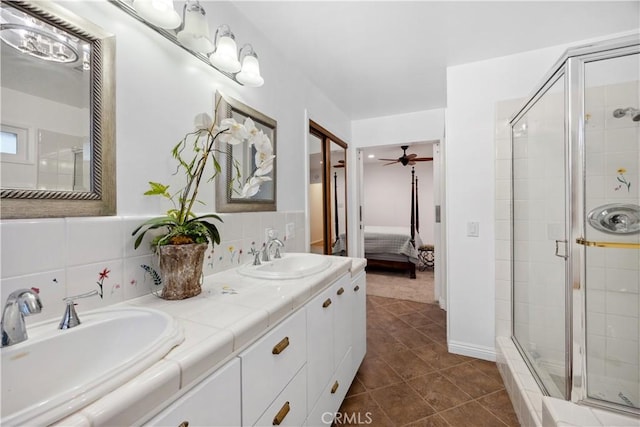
{"type": "Point", "coordinates": [377, 58]}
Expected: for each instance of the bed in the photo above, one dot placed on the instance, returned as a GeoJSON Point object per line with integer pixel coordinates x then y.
{"type": "Point", "coordinates": [395, 247]}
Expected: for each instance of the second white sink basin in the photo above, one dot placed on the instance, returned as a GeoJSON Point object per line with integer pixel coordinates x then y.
{"type": "Point", "coordinates": [57, 372]}
{"type": "Point", "coordinates": [290, 266]}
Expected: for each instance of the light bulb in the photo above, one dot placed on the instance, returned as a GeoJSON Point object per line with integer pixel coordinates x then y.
{"type": "Point", "coordinates": [158, 12]}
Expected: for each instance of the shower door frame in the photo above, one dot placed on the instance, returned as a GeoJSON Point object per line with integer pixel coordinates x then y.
{"type": "Point", "coordinates": [558, 73]}
{"type": "Point", "coordinates": [579, 393]}
{"type": "Point", "coordinates": [570, 66]}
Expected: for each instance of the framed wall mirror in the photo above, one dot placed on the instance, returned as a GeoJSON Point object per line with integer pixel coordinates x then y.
{"type": "Point", "coordinates": [240, 162]}
{"type": "Point", "coordinates": [57, 150]}
{"type": "Point", "coordinates": [327, 192]}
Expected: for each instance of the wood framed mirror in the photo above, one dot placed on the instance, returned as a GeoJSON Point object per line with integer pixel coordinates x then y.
{"type": "Point", "coordinates": [58, 113]}
{"type": "Point", "coordinates": [327, 192]}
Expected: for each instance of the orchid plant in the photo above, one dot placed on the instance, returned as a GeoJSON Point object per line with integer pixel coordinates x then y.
{"type": "Point", "coordinates": [181, 224]}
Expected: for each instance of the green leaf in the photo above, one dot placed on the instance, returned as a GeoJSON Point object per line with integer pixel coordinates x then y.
{"type": "Point", "coordinates": [157, 189]}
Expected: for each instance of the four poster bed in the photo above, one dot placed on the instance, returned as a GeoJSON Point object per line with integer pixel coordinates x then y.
{"type": "Point", "coordinates": [395, 247]}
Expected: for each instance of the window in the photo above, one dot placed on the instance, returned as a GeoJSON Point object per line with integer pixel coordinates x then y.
{"type": "Point", "coordinates": [14, 144]}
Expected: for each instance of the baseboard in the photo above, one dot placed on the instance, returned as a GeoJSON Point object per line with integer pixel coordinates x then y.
{"type": "Point", "coordinates": [479, 352]}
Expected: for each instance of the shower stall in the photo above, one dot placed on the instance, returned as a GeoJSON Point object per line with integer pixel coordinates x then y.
{"type": "Point", "coordinates": [575, 236]}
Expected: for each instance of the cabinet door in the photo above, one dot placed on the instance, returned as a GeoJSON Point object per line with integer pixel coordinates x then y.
{"type": "Point", "coordinates": [319, 343]}
{"type": "Point", "coordinates": [333, 394]}
{"type": "Point", "coordinates": [359, 319]}
{"type": "Point", "coordinates": [213, 402]}
{"type": "Point", "coordinates": [342, 319]}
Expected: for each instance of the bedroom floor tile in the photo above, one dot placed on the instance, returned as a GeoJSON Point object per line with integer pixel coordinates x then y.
{"type": "Point", "coordinates": [408, 378]}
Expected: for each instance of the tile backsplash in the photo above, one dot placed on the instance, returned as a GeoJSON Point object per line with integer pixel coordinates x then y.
{"type": "Point", "coordinates": [70, 256]}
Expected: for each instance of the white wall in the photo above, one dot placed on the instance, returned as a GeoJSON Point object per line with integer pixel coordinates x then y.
{"type": "Point", "coordinates": [387, 196]}
{"type": "Point", "coordinates": [472, 92]}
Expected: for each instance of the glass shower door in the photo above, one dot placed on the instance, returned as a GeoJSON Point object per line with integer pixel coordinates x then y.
{"type": "Point", "coordinates": [611, 230]}
{"type": "Point", "coordinates": [539, 227]}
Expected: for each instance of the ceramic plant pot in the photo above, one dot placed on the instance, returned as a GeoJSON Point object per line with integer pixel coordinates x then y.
{"type": "Point", "coordinates": [181, 270]}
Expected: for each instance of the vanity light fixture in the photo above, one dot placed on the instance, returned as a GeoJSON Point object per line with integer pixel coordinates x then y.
{"type": "Point", "coordinates": [225, 55]}
{"type": "Point", "coordinates": [195, 31]}
{"type": "Point", "coordinates": [249, 75]}
{"type": "Point", "coordinates": [158, 12]}
{"type": "Point", "coordinates": [191, 32]}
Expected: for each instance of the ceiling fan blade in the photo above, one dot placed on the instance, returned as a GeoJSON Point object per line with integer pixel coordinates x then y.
{"type": "Point", "coordinates": [389, 160]}
{"type": "Point", "coordinates": [423, 159]}
{"type": "Point", "coordinates": [338, 166]}
{"type": "Point", "coordinates": [411, 162]}
{"type": "Point", "coordinates": [390, 163]}
{"type": "Point", "coordinates": [411, 156]}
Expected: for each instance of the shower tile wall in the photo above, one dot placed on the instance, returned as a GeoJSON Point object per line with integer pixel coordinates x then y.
{"type": "Point", "coordinates": [613, 275]}
{"type": "Point", "coordinates": [68, 256]}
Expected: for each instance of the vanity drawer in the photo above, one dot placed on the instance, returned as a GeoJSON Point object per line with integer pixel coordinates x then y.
{"type": "Point", "coordinates": [333, 394]}
{"type": "Point", "coordinates": [213, 402]}
{"type": "Point", "coordinates": [290, 407]}
{"type": "Point", "coordinates": [270, 364]}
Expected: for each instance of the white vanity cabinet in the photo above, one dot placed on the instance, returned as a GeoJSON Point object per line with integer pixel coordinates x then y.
{"type": "Point", "coordinates": [297, 373]}
{"type": "Point", "coordinates": [213, 402]}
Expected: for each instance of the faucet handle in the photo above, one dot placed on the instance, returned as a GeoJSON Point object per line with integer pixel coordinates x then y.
{"type": "Point", "coordinates": [70, 318]}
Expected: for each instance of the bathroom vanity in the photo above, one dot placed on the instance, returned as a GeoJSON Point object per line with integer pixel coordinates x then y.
{"type": "Point", "coordinates": [256, 351]}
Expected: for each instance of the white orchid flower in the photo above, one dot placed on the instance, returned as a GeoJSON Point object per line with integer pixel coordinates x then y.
{"type": "Point", "coordinates": [262, 143]}
{"type": "Point", "coordinates": [264, 162]}
{"type": "Point", "coordinates": [235, 134]}
{"type": "Point", "coordinates": [252, 186]}
{"type": "Point", "coordinates": [251, 128]}
{"type": "Point", "coordinates": [202, 121]}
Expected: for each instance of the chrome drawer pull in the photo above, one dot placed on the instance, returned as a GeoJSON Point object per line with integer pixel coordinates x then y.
{"type": "Point", "coordinates": [340, 291]}
{"type": "Point", "coordinates": [277, 420]}
{"type": "Point", "coordinates": [279, 348]}
{"type": "Point", "coordinates": [327, 303]}
{"type": "Point", "coordinates": [335, 387]}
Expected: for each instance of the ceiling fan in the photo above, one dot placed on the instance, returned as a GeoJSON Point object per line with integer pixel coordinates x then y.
{"type": "Point", "coordinates": [407, 159]}
{"type": "Point", "coordinates": [339, 165]}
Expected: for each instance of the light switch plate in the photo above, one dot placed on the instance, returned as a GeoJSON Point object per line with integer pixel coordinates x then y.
{"type": "Point", "coordinates": [473, 229]}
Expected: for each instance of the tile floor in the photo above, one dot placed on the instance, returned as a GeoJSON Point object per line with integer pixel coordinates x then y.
{"type": "Point", "coordinates": [409, 379]}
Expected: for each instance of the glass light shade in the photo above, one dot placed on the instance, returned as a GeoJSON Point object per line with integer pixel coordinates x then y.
{"type": "Point", "coordinates": [250, 73]}
{"type": "Point", "coordinates": [195, 34]}
{"type": "Point", "coordinates": [225, 57]}
{"type": "Point", "coordinates": [158, 12]}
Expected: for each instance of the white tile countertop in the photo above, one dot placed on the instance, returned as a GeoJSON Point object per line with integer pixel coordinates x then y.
{"type": "Point", "coordinates": [231, 312]}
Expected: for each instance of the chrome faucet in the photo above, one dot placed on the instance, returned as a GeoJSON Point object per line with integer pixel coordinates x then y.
{"type": "Point", "coordinates": [273, 240]}
{"type": "Point", "coordinates": [70, 318]}
{"type": "Point", "coordinates": [23, 302]}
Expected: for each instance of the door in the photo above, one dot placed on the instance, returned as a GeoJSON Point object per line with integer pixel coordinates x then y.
{"type": "Point", "coordinates": [539, 232]}
{"type": "Point", "coordinates": [327, 192]}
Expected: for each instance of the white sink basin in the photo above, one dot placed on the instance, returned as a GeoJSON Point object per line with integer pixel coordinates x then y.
{"type": "Point", "coordinates": [290, 266]}
{"type": "Point", "coordinates": [57, 372]}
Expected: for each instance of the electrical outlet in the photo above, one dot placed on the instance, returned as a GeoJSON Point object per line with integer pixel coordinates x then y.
{"type": "Point", "coordinates": [290, 231]}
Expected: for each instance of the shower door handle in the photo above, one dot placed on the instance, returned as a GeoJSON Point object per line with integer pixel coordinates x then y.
{"type": "Point", "coordinates": [558, 254]}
